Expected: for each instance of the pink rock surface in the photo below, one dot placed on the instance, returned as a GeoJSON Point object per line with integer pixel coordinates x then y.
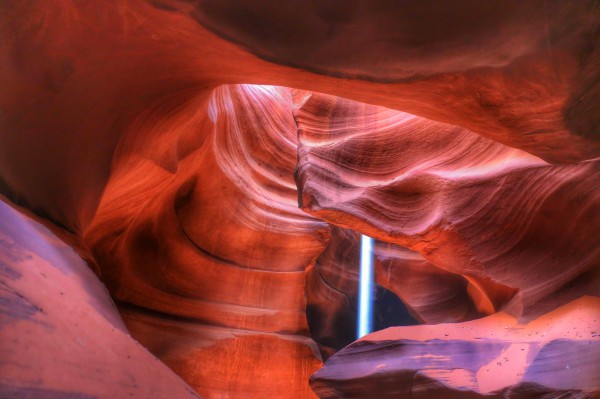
{"type": "Point", "coordinates": [60, 333]}
{"type": "Point", "coordinates": [472, 207]}
{"type": "Point", "coordinates": [491, 357]}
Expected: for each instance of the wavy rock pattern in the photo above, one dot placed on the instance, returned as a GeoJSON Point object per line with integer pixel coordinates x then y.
{"type": "Point", "coordinates": [208, 262]}
{"type": "Point", "coordinates": [468, 205]}
{"type": "Point", "coordinates": [75, 104]}
{"type": "Point", "coordinates": [124, 123]}
{"type": "Point", "coordinates": [60, 333]}
{"type": "Point", "coordinates": [525, 75]}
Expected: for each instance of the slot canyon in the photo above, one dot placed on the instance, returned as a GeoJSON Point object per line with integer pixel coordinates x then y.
{"type": "Point", "coordinates": [184, 185]}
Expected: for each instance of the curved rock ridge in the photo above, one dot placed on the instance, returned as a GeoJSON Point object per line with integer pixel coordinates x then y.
{"type": "Point", "coordinates": [475, 208]}
{"type": "Point", "coordinates": [493, 357]}
{"type": "Point", "coordinates": [64, 105]}
{"type": "Point", "coordinates": [373, 138]}
{"type": "Point", "coordinates": [208, 262]}
{"type": "Point", "coordinates": [60, 333]}
{"type": "Point", "coordinates": [134, 125]}
{"type": "Point", "coordinates": [525, 75]}
{"type": "Point", "coordinates": [382, 41]}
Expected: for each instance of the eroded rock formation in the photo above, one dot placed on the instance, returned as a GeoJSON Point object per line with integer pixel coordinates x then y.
{"type": "Point", "coordinates": [186, 152]}
{"type": "Point", "coordinates": [60, 334]}
{"type": "Point", "coordinates": [470, 206]}
{"type": "Point", "coordinates": [493, 357]}
{"type": "Point", "coordinates": [207, 259]}
{"type": "Point", "coordinates": [434, 295]}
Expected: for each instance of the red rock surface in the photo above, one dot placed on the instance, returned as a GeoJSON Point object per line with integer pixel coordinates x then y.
{"type": "Point", "coordinates": [332, 292]}
{"type": "Point", "coordinates": [137, 126]}
{"type": "Point", "coordinates": [432, 294]}
{"type": "Point", "coordinates": [206, 258]}
{"type": "Point", "coordinates": [77, 76]}
{"type": "Point", "coordinates": [470, 206]}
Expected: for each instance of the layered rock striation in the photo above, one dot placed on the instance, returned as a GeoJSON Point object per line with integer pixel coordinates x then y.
{"type": "Point", "coordinates": [207, 262]}
{"type": "Point", "coordinates": [470, 206]}
{"type": "Point", "coordinates": [187, 152]}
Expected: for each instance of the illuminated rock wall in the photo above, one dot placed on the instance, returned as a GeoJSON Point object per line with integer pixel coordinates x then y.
{"type": "Point", "coordinates": [187, 152]}
{"type": "Point", "coordinates": [206, 260]}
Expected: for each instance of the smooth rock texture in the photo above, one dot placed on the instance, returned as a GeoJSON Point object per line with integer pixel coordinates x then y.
{"type": "Point", "coordinates": [493, 214]}
{"type": "Point", "coordinates": [332, 292]}
{"type": "Point", "coordinates": [78, 76]}
{"type": "Point", "coordinates": [60, 333]}
{"type": "Point", "coordinates": [493, 357]}
{"type": "Point", "coordinates": [174, 142]}
{"type": "Point", "coordinates": [524, 74]}
{"type": "Point", "coordinates": [206, 258]}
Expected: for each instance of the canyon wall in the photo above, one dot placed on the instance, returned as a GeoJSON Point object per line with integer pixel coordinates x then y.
{"type": "Point", "coordinates": [213, 164]}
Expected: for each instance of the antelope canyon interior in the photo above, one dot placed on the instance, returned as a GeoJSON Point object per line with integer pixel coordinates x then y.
{"type": "Point", "coordinates": [185, 186]}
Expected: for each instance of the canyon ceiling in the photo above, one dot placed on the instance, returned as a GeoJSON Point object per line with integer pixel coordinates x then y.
{"type": "Point", "coordinates": [183, 185]}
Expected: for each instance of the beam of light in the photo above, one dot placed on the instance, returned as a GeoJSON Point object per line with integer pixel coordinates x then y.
{"type": "Point", "coordinates": [365, 288]}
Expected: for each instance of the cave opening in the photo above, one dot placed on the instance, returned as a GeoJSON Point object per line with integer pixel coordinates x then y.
{"type": "Point", "coordinates": [193, 179]}
{"type": "Point", "coordinates": [348, 293]}
{"type": "Point", "coordinates": [378, 308]}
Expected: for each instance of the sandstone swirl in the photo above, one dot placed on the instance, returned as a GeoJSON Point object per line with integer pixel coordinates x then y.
{"type": "Point", "coordinates": [493, 214]}
{"type": "Point", "coordinates": [75, 104]}
{"type": "Point", "coordinates": [206, 260]}
{"type": "Point", "coordinates": [493, 229]}
{"type": "Point", "coordinates": [186, 152]}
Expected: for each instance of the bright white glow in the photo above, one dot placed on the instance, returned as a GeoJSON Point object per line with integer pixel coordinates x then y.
{"type": "Point", "coordinates": [365, 288]}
